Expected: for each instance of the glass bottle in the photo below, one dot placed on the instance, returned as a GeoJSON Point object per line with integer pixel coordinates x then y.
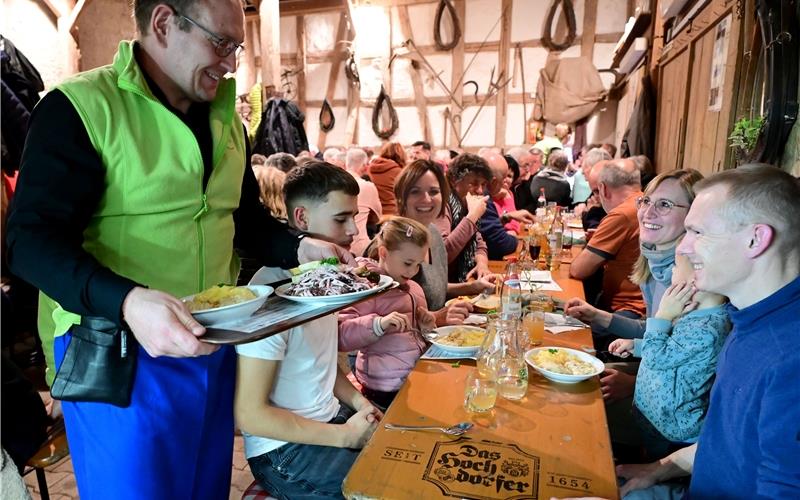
{"type": "Point", "coordinates": [555, 238]}
{"type": "Point", "coordinates": [512, 371]}
{"type": "Point", "coordinates": [541, 205]}
{"type": "Point", "coordinates": [511, 294]}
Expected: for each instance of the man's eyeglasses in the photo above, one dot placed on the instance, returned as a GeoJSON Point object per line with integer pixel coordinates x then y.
{"type": "Point", "coordinates": [223, 46]}
{"type": "Point", "coordinates": [662, 207]}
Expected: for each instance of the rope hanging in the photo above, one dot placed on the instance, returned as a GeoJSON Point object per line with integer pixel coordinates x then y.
{"type": "Point", "coordinates": [437, 23]}
{"type": "Point", "coordinates": [569, 12]}
{"type": "Point", "coordinates": [384, 100]}
{"type": "Point", "coordinates": [326, 118]}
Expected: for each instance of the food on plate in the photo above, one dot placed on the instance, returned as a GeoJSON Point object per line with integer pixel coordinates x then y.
{"type": "Point", "coordinates": [297, 272]}
{"type": "Point", "coordinates": [463, 337]}
{"type": "Point", "coordinates": [330, 280]}
{"type": "Point", "coordinates": [558, 361]}
{"type": "Point", "coordinates": [487, 303]}
{"type": "Point", "coordinates": [219, 296]}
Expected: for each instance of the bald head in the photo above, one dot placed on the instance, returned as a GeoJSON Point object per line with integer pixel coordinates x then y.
{"type": "Point", "coordinates": [615, 181]}
{"type": "Point", "coordinates": [499, 168]}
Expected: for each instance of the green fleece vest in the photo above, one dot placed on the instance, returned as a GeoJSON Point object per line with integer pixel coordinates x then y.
{"type": "Point", "coordinates": [155, 224]}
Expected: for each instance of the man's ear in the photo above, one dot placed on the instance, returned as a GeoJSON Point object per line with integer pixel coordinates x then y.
{"type": "Point", "coordinates": [761, 238]}
{"type": "Point", "coordinates": [161, 23]}
{"type": "Point", "coordinates": [603, 191]}
{"type": "Point", "coordinates": [300, 218]}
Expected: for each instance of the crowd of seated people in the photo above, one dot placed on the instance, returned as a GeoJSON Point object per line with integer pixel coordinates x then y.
{"type": "Point", "coordinates": [432, 220]}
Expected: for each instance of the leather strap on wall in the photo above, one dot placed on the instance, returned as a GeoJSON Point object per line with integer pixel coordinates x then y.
{"type": "Point", "coordinates": [384, 100]}
{"type": "Point", "coordinates": [437, 23]}
{"type": "Point", "coordinates": [326, 118]}
{"type": "Point", "coordinates": [547, 37]}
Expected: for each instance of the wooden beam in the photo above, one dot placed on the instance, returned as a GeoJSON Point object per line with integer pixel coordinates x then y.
{"type": "Point", "coordinates": [503, 73]}
{"type": "Point", "coordinates": [353, 92]}
{"type": "Point", "coordinates": [408, 102]}
{"type": "Point", "coordinates": [298, 7]}
{"type": "Point", "coordinates": [589, 28]}
{"type": "Point", "coordinates": [416, 79]}
{"type": "Point", "coordinates": [270, 45]}
{"type": "Point", "coordinates": [58, 9]}
{"type": "Point", "coordinates": [300, 62]}
{"type": "Point", "coordinates": [72, 20]}
{"type": "Point", "coordinates": [458, 68]}
{"type": "Point", "coordinates": [426, 50]}
{"type": "Point", "coordinates": [333, 75]}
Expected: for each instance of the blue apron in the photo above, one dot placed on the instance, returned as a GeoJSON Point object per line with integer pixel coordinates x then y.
{"type": "Point", "coordinates": [174, 441]}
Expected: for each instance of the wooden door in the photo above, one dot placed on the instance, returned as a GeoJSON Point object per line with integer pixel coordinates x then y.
{"type": "Point", "coordinates": [671, 115]}
{"type": "Point", "coordinates": [707, 129]}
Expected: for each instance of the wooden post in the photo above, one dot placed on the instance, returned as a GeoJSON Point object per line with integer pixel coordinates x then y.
{"type": "Point", "coordinates": [416, 79]}
{"type": "Point", "coordinates": [501, 110]}
{"type": "Point", "coordinates": [458, 68]}
{"type": "Point", "coordinates": [301, 62]}
{"type": "Point", "coordinates": [336, 66]}
{"type": "Point", "coordinates": [589, 28]}
{"type": "Point", "coordinates": [269, 15]}
{"type": "Point", "coordinates": [353, 92]}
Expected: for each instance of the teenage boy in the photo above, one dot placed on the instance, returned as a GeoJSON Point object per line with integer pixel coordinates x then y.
{"type": "Point", "coordinates": [302, 419]}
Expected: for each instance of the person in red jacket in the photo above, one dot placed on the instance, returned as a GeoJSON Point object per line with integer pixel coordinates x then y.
{"type": "Point", "coordinates": [383, 170]}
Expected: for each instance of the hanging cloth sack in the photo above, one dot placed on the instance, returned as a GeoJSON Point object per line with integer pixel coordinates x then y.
{"type": "Point", "coordinates": [568, 90]}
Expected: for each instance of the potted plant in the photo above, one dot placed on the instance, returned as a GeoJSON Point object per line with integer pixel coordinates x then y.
{"type": "Point", "coordinates": [744, 137]}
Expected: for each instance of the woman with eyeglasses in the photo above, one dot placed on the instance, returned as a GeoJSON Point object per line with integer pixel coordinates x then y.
{"type": "Point", "coordinates": [661, 211]}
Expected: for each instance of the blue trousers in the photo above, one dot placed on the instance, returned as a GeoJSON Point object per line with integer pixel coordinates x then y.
{"type": "Point", "coordinates": [305, 471]}
{"type": "Point", "coordinates": [174, 441]}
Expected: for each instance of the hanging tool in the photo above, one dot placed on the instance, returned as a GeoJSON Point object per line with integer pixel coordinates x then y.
{"type": "Point", "coordinates": [494, 89]}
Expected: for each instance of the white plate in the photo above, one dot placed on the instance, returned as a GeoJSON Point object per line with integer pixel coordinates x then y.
{"type": "Point", "coordinates": [562, 377]}
{"type": "Point", "coordinates": [385, 282]}
{"type": "Point", "coordinates": [445, 330]}
{"type": "Point", "coordinates": [241, 310]}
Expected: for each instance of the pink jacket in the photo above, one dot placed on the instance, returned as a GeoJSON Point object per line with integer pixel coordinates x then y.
{"type": "Point", "coordinates": [382, 363]}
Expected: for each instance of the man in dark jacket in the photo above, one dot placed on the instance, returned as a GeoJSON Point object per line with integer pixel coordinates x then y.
{"type": "Point", "coordinates": [553, 180]}
{"type": "Point", "coordinates": [499, 242]}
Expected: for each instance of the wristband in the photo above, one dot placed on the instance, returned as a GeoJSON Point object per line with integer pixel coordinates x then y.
{"type": "Point", "coordinates": [377, 329]}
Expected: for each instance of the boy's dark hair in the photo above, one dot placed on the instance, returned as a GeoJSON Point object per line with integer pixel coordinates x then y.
{"type": "Point", "coordinates": [314, 181]}
{"type": "Point", "coordinates": [425, 145]}
{"type": "Point", "coordinates": [143, 9]}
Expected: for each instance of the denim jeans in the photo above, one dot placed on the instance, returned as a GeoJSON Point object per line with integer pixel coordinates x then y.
{"type": "Point", "coordinates": [300, 471]}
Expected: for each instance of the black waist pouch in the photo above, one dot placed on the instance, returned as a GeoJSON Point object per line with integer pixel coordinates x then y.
{"type": "Point", "coordinates": [99, 365]}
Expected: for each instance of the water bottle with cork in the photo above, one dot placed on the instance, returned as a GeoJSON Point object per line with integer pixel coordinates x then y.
{"type": "Point", "coordinates": [511, 294]}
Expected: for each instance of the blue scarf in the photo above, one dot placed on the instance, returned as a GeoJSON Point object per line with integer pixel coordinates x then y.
{"type": "Point", "coordinates": [660, 262]}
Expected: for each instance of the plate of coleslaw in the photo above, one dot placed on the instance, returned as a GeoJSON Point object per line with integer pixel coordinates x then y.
{"type": "Point", "coordinates": [329, 285]}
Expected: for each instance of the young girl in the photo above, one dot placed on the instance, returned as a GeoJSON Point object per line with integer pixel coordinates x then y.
{"type": "Point", "coordinates": [386, 330]}
{"type": "Point", "coordinates": [679, 356]}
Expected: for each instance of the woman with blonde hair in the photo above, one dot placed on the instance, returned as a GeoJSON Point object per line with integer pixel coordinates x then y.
{"type": "Point", "coordinates": [661, 211]}
{"type": "Point", "coordinates": [270, 183]}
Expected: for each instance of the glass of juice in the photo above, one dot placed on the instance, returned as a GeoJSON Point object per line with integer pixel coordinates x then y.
{"type": "Point", "coordinates": [533, 324]}
{"type": "Point", "coordinates": [480, 393]}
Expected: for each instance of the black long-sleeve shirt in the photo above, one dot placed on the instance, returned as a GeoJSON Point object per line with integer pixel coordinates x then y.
{"type": "Point", "coordinates": [61, 183]}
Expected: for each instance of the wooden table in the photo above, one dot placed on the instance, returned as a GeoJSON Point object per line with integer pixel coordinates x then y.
{"type": "Point", "coordinates": [554, 442]}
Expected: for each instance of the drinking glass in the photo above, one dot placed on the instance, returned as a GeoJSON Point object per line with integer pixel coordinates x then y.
{"type": "Point", "coordinates": [566, 243]}
{"type": "Point", "coordinates": [480, 393]}
{"type": "Point", "coordinates": [532, 325]}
